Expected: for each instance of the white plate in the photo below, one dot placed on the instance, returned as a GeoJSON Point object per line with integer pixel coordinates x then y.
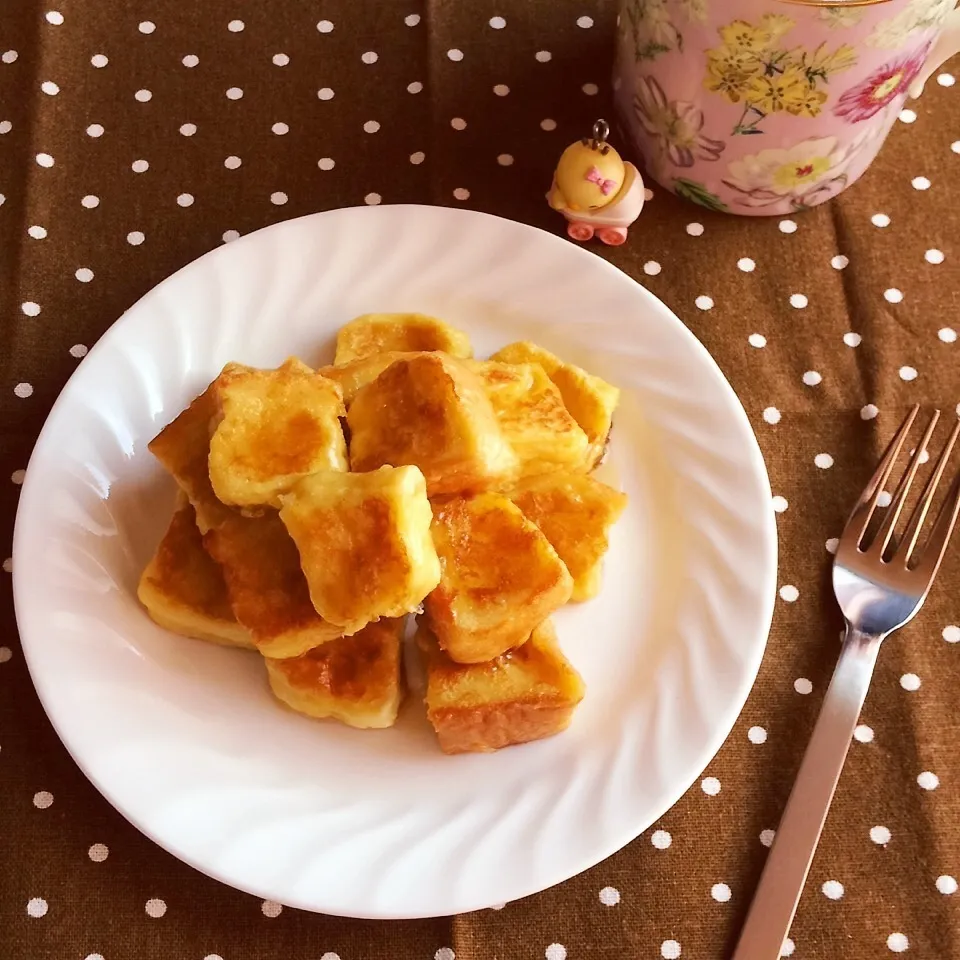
{"type": "Point", "coordinates": [184, 739]}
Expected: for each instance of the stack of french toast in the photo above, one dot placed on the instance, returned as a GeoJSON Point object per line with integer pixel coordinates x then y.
{"type": "Point", "coordinates": [318, 509]}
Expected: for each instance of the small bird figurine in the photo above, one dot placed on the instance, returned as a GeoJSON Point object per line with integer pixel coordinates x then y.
{"type": "Point", "coordinates": [596, 190]}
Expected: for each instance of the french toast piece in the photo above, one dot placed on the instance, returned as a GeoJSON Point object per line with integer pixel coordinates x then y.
{"type": "Point", "coordinates": [357, 680]}
{"type": "Point", "coordinates": [274, 427]}
{"type": "Point", "coordinates": [575, 513]}
{"type": "Point", "coordinates": [532, 416]}
{"type": "Point", "coordinates": [183, 448]}
{"type": "Point", "coordinates": [358, 373]}
{"type": "Point", "coordinates": [590, 400]}
{"type": "Point", "coordinates": [500, 578]}
{"type": "Point", "coordinates": [375, 333]}
{"type": "Point", "coordinates": [525, 694]}
{"type": "Point", "coordinates": [183, 588]}
{"type": "Point", "coordinates": [267, 588]}
{"type": "Point", "coordinates": [431, 411]}
{"type": "Point", "coordinates": [364, 542]}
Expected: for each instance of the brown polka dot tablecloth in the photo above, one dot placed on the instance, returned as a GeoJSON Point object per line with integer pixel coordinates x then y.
{"type": "Point", "coordinates": [135, 136]}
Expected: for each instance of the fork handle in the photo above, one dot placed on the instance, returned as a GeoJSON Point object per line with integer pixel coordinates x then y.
{"type": "Point", "coordinates": [778, 893]}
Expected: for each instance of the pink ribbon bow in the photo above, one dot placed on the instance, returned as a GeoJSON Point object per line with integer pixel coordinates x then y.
{"type": "Point", "coordinates": [606, 186]}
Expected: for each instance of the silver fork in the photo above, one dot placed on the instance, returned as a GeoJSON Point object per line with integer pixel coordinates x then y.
{"type": "Point", "coordinates": [879, 585]}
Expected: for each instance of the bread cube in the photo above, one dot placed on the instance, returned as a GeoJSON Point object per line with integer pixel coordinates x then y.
{"type": "Point", "coordinates": [353, 376]}
{"type": "Point", "coordinates": [375, 333]}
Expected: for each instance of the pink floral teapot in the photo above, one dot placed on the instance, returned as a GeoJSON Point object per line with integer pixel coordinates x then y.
{"type": "Point", "coordinates": [767, 107]}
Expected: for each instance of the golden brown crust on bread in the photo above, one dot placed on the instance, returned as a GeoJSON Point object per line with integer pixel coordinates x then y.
{"type": "Point", "coordinates": [375, 333]}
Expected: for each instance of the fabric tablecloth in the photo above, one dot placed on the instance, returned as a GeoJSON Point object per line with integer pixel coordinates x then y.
{"type": "Point", "coordinates": [135, 136]}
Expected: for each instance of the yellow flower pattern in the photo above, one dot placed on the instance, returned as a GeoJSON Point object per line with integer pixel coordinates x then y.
{"type": "Point", "coordinates": [755, 66]}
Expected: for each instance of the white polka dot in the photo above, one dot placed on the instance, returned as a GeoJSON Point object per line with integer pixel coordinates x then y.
{"type": "Point", "coordinates": [236, 26]}
{"type": "Point", "coordinates": [695, 229]}
{"type": "Point", "coordinates": [188, 129]}
{"type": "Point", "coordinates": [840, 261]}
{"type": "Point", "coordinates": [893, 295]}
{"type": "Point", "coordinates": [501, 89]}
{"type": "Point", "coordinates": [325, 26]}
{"type": "Point", "coordinates": [556, 951]}
{"type": "Point", "coordinates": [590, 89]}
{"type": "Point", "coordinates": [670, 950]}
{"type": "Point", "coordinates": [661, 839]}
{"type": "Point", "coordinates": [928, 780]}
{"type": "Point", "coordinates": [910, 682]}
{"type": "Point", "coordinates": [786, 950]}
{"type": "Point", "coordinates": [609, 896]}
{"type": "Point", "coordinates": [411, 19]}
{"type": "Point", "coordinates": [862, 733]}
{"type": "Point", "coordinates": [90, 201]}
{"type": "Point", "coordinates": [135, 238]}
{"type": "Point", "coordinates": [190, 60]}
{"type": "Point", "coordinates": [789, 593]}
{"type": "Point", "coordinates": [704, 302]}
{"type": "Point", "coordinates": [710, 786]}
{"type": "Point", "coordinates": [414, 87]}
{"type": "Point", "coordinates": [767, 837]}
{"type": "Point", "coordinates": [326, 163]}
{"type": "Point", "coordinates": [147, 26]}
{"type": "Point", "coordinates": [908, 373]}
{"type": "Point", "coordinates": [947, 334]}
{"type": "Point", "coordinates": [232, 162]}
{"type": "Point", "coordinates": [907, 115]}
{"type": "Point", "coordinates": [78, 350]}
{"type": "Point", "coordinates": [812, 378]}
{"type": "Point", "coordinates": [461, 193]}
{"type": "Point", "coordinates": [280, 129]}
{"type": "Point", "coordinates": [270, 908]}
{"type": "Point", "coordinates": [823, 460]}
{"type": "Point", "coordinates": [832, 889]}
{"type": "Point", "coordinates": [933, 255]}
{"type": "Point", "coordinates": [444, 953]}
{"type": "Point", "coordinates": [498, 23]}
{"type": "Point", "coordinates": [455, 55]}
{"type": "Point", "coordinates": [585, 23]}
{"type": "Point", "coordinates": [43, 799]}
{"type": "Point", "coordinates": [280, 59]}
{"type": "Point", "coordinates": [920, 183]}
{"type": "Point", "coordinates": [9, 56]}
{"type": "Point", "coordinates": [757, 735]}
{"type": "Point", "coordinates": [803, 686]}
{"type": "Point", "coordinates": [548, 124]}
{"type": "Point", "coordinates": [372, 199]}
{"type": "Point", "coordinates": [371, 126]}
{"type": "Point", "coordinates": [946, 80]}
{"type": "Point", "coordinates": [30, 309]}
{"type": "Point", "coordinates": [326, 93]}
{"type": "Point", "coordinates": [49, 88]}
{"type": "Point", "coordinates": [98, 852]}
{"type": "Point", "coordinates": [458, 123]}
{"type": "Point", "coordinates": [37, 232]}
{"type": "Point", "coordinates": [869, 411]}
{"type": "Point", "coordinates": [543, 56]}
{"type": "Point", "coordinates": [897, 942]}
{"type": "Point", "coordinates": [746, 264]}
{"type": "Point", "coordinates": [8, 565]}
{"type": "Point", "coordinates": [45, 160]}
{"type": "Point", "coordinates": [798, 300]}
{"type": "Point", "coordinates": [788, 226]}
{"type": "Point", "coordinates": [780, 504]}
{"type": "Point", "coordinates": [505, 159]}
{"type": "Point", "coordinates": [55, 17]}
{"type": "Point", "coordinates": [832, 544]}
{"type": "Point", "coordinates": [951, 634]}
{"type": "Point", "coordinates": [143, 96]}
{"type": "Point", "coordinates": [279, 198]}
{"type": "Point", "coordinates": [84, 274]}
{"type": "Point", "coordinates": [140, 166]}
{"type": "Point", "coordinates": [369, 57]}
{"type": "Point", "coordinates": [880, 220]}
{"type": "Point", "coordinates": [5, 126]}
{"type": "Point", "coordinates": [230, 235]}
{"type": "Point", "coordinates": [947, 885]}
{"type": "Point", "coordinates": [234, 93]}
{"type": "Point", "coordinates": [720, 892]}
{"type": "Point", "coordinates": [493, 906]}
{"type": "Point", "coordinates": [883, 499]}
{"type": "Point", "coordinates": [17, 477]}
{"type": "Point", "coordinates": [757, 340]}
{"type": "Point", "coordinates": [880, 835]}
{"type": "Point", "coordinates": [955, 146]}
{"type": "Point", "coordinates": [771, 415]}
{"type": "Point", "coordinates": [37, 907]}
{"type": "Point", "coordinates": [651, 268]}
{"type": "Point", "coordinates": [852, 339]}
{"type": "Point", "coordinates": [95, 130]}
{"type": "Point", "coordinates": [99, 956]}
{"type": "Point", "coordinates": [155, 908]}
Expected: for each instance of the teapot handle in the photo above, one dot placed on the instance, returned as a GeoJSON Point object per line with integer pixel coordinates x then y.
{"type": "Point", "coordinates": [946, 45]}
